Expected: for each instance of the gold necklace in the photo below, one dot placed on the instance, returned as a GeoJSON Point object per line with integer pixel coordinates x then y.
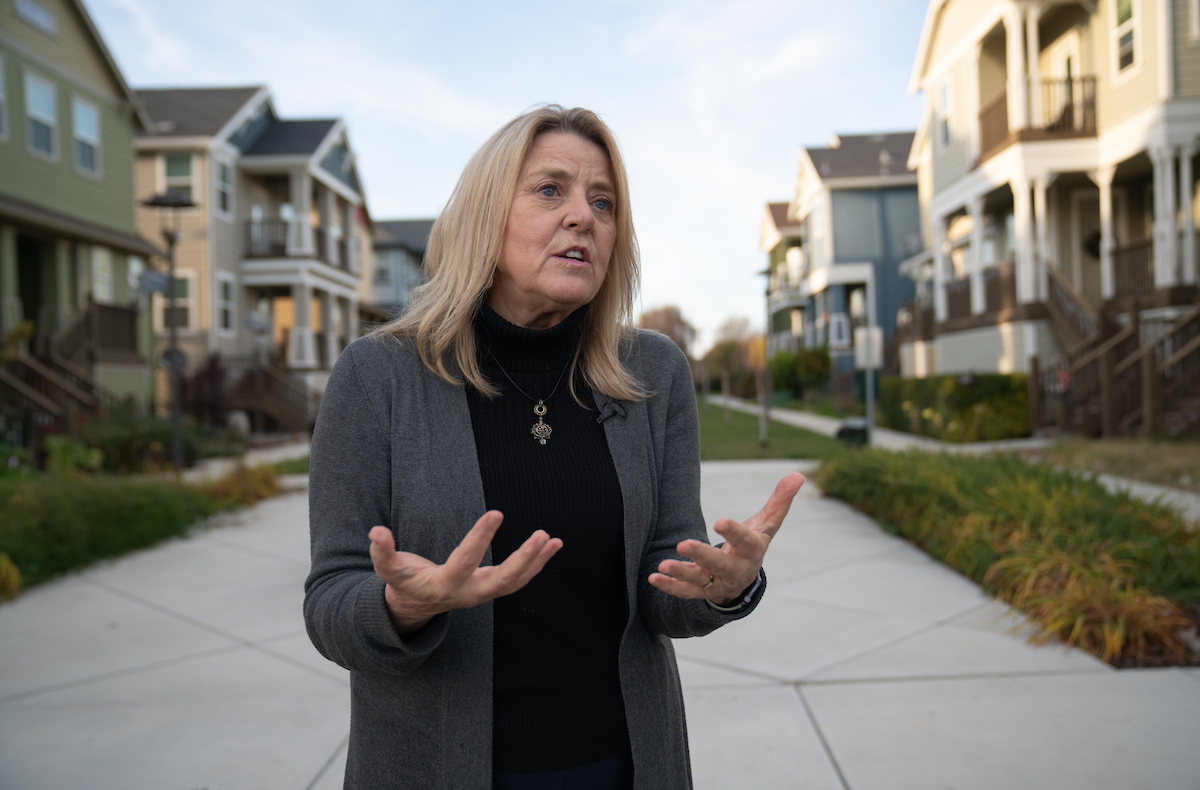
{"type": "Point", "coordinates": [541, 429]}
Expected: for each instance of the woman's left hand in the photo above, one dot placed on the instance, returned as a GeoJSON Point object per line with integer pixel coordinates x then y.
{"type": "Point", "coordinates": [720, 575]}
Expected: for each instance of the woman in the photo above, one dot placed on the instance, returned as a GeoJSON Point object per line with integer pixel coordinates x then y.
{"type": "Point", "coordinates": [527, 471]}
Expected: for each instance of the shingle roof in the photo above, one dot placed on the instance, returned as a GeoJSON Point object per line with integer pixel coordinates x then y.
{"type": "Point", "coordinates": [291, 137]}
{"type": "Point", "coordinates": [858, 155]}
{"type": "Point", "coordinates": [779, 215]}
{"type": "Point", "coordinates": [411, 234]}
{"type": "Point", "coordinates": [191, 112]}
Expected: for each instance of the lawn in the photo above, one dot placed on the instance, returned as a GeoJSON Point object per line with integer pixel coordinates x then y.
{"type": "Point", "coordinates": [739, 439]}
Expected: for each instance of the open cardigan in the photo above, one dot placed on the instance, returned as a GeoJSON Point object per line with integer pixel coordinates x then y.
{"type": "Point", "coordinates": [393, 445]}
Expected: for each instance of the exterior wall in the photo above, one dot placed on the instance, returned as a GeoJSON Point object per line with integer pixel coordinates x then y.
{"type": "Point", "coordinates": [104, 199]}
{"type": "Point", "coordinates": [917, 360]}
{"type": "Point", "coordinates": [1121, 97]}
{"type": "Point", "coordinates": [225, 234]}
{"type": "Point", "coordinates": [1186, 48]}
{"type": "Point", "coordinates": [72, 49]}
{"type": "Point", "coordinates": [996, 349]}
{"type": "Point", "coordinates": [954, 23]}
{"type": "Point", "coordinates": [952, 161]}
{"type": "Point", "coordinates": [126, 381]}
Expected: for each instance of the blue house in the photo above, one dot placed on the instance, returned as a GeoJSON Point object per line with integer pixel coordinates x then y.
{"type": "Point", "coordinates": [853, 219]}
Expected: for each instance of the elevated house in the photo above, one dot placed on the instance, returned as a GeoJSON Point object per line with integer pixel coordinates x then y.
{"type": "Point", "coordinates": [399, 262]}
{"type": "Point", "coordinates": [854, 217]}
{"type": "Point", "coordinates": [1057, 168]}
{"type": "Point", "coordinates": [71, 258]}
{"type": "Point", "coordinates": [271, 264]}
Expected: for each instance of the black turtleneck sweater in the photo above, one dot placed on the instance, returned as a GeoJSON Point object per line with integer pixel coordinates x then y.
{"type": "Point", "coordinates": [557, 694]}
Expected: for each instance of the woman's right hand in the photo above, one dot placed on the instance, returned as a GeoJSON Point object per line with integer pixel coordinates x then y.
{"type": "Point", "coordinates": [418, 589]}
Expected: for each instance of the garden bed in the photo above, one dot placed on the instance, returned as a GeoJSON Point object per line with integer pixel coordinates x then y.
{"type": "Point", "coordinates": [1115, 576]}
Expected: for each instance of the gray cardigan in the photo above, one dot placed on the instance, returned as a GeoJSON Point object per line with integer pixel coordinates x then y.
{"type": "Point", "coordinates": [393, 445]}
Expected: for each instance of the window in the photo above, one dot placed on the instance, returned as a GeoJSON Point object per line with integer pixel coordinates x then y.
{"type": "Point", "coordinates": [40, 115]}
{"type": "Point", "coordinates": [178, 300]}
{"type": "Point", "coordinates": [944, 101]}
{"type": "Point", "coordinates": [86, 127]}
{"type": "Point", "coordinates": [224, 185]}
{"type": "Point", "coordinates": [1125, 43]}
{"type": "Point", "coordinates": [102, 275]}
{"type": "Point", "coordinates": [37, 15]}
{"type": "Point", "coordinates": [3, 106]}
{"type": "Point", "coordinates": [135, 269]}
{"type": "Point", "coordinates": [226, 302]}
{"type": "Point", "coordinates": [1194, 19]}
{"type": "Point", "coordinates": [178, 168]}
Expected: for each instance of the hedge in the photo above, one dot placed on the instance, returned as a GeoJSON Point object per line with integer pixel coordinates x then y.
{"type": "Point", "coordinates": [1108, 573]}
{"type": "Point", "coordinates": [972, 408]}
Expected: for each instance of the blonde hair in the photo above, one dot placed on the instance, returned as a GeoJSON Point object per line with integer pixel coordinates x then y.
{"type": "Point", "coordinates": [464, 246]}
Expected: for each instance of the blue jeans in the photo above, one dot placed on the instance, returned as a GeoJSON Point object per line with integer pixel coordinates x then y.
{"type": "Point", "coordinates": [615, 773]}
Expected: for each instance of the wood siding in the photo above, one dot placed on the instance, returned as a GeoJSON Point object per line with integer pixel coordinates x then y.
{"type": "Point", "coordinates": [955, 22]}
{"type": "Point", "coordinates": [1136, 91]}
{"type": "Point", "coordinates": [1187, 52]}
{"type": "Point", "coordinates": [952, 161]}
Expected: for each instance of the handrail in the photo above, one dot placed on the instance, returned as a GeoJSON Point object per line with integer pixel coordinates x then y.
{"type": "Point", "coordinates": [1105, 347]}
{"type": "Point", "coordinates": [30, 393]}
{"type": "Point", "coordinates": [55, 379]}
{"type": "Point", "coordinates": [1183, 352]}
{"type": "Point", "coordinates": [1147, 348]}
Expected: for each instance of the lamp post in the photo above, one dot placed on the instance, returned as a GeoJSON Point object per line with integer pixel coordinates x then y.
{"type": "Point", "coordinates": [168, 206]}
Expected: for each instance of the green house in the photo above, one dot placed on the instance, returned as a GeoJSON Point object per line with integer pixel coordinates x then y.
{"type": "Point", "coordinates": [70, 257]}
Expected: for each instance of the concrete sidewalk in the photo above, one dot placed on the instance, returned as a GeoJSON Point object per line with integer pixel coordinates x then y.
{"type": "Point", "coordinates": [867, 666]}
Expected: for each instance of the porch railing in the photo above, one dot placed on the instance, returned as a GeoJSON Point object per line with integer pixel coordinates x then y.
{"type": "Point", "coordinates": [1074, 317]}
{"type": "Point", "coordinates": [319, 241]}
{"type": "Point", "coordinates": [1133, 268]}
{"type": "Point", "coordinates": [958, 298]}
{"type": "Point", "coordinates": [266, 238]}
{"type": "Point", "coordinates": [1069, 105]}
{"type": "Point", "coordinates": [1000, 286]}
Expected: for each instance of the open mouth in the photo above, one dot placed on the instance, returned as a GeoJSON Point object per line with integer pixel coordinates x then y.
{"type": "Point", "coordinates": [574, 255]}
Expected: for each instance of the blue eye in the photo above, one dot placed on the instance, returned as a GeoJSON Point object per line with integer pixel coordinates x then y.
{"type": "Point", "coordinates": [602, 204]}
{"type": "Point", "coordinates": [548, 191]}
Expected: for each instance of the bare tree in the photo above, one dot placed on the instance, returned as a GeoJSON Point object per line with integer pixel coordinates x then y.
{"type": "Point", "coordinates": [670, 321]}
{"type": "Point", "coordinates": [729, 354]}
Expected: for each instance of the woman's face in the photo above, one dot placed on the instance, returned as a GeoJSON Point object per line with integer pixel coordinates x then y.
{"type": "Point", "coordinates": [560, 233]}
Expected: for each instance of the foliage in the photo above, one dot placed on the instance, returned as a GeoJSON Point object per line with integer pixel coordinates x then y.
{"type": "Point", "coordinates": [1097, 569]}
{"type": "Point", "coordinates": [978, 407]}
{"type": "Point", "coordinates": [133, 444]}
{"type": "Point", "coordinates": [56, 523]}
{"type": "Point", "coordinates": [295, 466]}
{"type": "Point", "coordinates": [10, 579]}
{"type": "Point", "coordinates": [738, 439]}
{"type": "Point", "coordinates": [1174, 463]}
{"type": "Point", "coordinates": [65, 455]}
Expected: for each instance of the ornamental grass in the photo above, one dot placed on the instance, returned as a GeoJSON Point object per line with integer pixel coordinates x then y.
{"type": "Point", "coordinates": [1108, 573]}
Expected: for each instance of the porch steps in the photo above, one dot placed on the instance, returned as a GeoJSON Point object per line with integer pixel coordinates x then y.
{"type": "Point", "coordinates": [271, 391]}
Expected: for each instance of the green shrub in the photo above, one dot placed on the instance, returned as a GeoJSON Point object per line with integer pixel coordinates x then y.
{"type": "Point", "coordinates": [10, 579]}
{"type": "Point", "coordinates": [1100, 570]}
{"type": "Point", "coordinates": [783, 372]}
{"type": "Point", "coordinates": [975, 408]}
{"type": "Point", "coordinates": [53, 524]}
{"type": "Point", "coordinates": [135, 444]}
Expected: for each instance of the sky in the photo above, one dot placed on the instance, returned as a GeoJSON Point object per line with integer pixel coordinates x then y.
{"type": "Point", "coordinates": [711, 101]}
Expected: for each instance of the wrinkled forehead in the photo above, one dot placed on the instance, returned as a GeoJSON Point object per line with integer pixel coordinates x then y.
{"type": "Point", "coordinates": [560, 154]}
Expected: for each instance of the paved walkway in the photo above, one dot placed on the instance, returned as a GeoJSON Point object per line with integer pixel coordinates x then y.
{"type": "Point", "coordinates": [868, 666]}
{"type": "Point", "coordinates": [1184, 502]}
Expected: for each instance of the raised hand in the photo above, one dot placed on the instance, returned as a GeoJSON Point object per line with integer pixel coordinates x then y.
{"type": "Point", "coordinates": [720, 575]}
{"type": "Point", "coordinates": [418, 589]}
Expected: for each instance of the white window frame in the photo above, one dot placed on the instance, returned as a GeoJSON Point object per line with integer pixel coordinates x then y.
{"type": "Point", "coordinates": [3, 105]}
{"type": "Point", "coordinates": [943, 114]}
{"type": "Point", "coordinates": [31, 118]}
{"type": "Point", "coordinates": [220, 189]}
{"type": "Point", "coordinates": [1132, 25]}
{"type": "Point", "coordinates": [172, 181]}
{"type": "Point", "coordinates": [1194, 20]}
{"type": "Point", "coordinates": [221, 303]}
{"type": "Point", "coordinates": [76, 140]}
{"type": "Point", "coordinates": [101, 270]}
{"type": "Point", "coordinates": [37, 15]}
{"type": "Point", "coordinates": [189, 301]}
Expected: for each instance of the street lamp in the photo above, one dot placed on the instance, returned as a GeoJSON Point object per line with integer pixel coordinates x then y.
{"type": "Point", "coordinates": [168, 206]}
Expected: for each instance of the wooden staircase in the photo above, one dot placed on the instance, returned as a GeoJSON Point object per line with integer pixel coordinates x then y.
{"type": "Point", "coordinates": [268, 390]}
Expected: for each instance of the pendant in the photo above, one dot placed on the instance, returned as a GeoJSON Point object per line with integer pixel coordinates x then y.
{"type": "Point", "coordinates": [542, 431]}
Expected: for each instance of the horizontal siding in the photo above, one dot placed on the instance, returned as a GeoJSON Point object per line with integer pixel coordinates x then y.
{"type": "Point", "coordinates": [1137, 91]}
{"type": "Point", "coordinates": [857, 235]}
{"type": "Point", "coordinates": [72, 48]}
{"type": "Point", "coordinates": [1187, 52]}
{"type": "Point", "coordinates": [56, 184]}
{"type": "Point", "coordinates": [954, 23]}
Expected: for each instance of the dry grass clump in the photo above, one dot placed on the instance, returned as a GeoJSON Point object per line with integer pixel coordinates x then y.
{"type": "Point", "coordinates": [1175, 463]}
{"type": "Point", "coordinates": [1110, 574]}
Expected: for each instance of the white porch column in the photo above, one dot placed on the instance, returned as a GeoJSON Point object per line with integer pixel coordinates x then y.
{"type": "Point", "coordinates": [1023, 220]}
{"type": "Point", "coordinates": [1103, 178]}
{"type": "Point", "coordinates": [1014, 37]}
{"type": "Point", "coordinates": [10, 293]}
{"type": "Point", "coordinates": [1166, 231]}
{"type": "Point", "coordinates": [972, 101]}
{"type": "Point", "coordinates": [1040, 185]}
{"type": "Point", "coordinates": [329, 220]}
{"type": "Point", "coordinates": [978, 294]}
{"type": "Point", "coordinates": [302, 351]}
{"type": "Point", "coordinates": [1033, 15]}
{"type": "Point", "coordinates": [1188, 224]}
{"type": "Point", "coordinates": [330, 327]}
{"type": "Point", "coordinates": [940, 311]}
{"type": "Point", "coordinates": [300, 237]}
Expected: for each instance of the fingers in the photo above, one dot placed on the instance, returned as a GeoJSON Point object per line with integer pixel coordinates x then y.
{"type": "Point", "coordinates": [524, 563]}
{"type": "Point", "coordinates": [467, 556]}
{"type": "Point", "coordinates": [383, 549]}
{"type": "Point", "coordinates": [770, 518]}
{"type": "Point", "coordinates": [676, 587]}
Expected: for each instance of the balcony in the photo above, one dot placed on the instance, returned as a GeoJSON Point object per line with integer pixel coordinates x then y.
{"type": "Point", "coordinates": [267, 238]}
{"type": "Point", "coordinates": [276, 238]}
{"type": "Point", "coordinates": [1068, 109]}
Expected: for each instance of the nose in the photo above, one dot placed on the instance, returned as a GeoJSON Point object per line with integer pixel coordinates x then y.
{"type": "Point", "coordinates": [579, 215]}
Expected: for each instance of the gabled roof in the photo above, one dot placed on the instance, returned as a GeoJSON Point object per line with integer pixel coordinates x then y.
{"type": "Point", "coordinates": [776, 226]}
{"type": "Point", "coordinates": [193, 112]}
{"type": "Point", "coordinates": [411, 234]}
{"type": "Point", "coordinates": [863, 155]}
{"type": "Point", "coordinates": [291, 137]}
{"type": "Point", "coordinates": [139, 109]}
